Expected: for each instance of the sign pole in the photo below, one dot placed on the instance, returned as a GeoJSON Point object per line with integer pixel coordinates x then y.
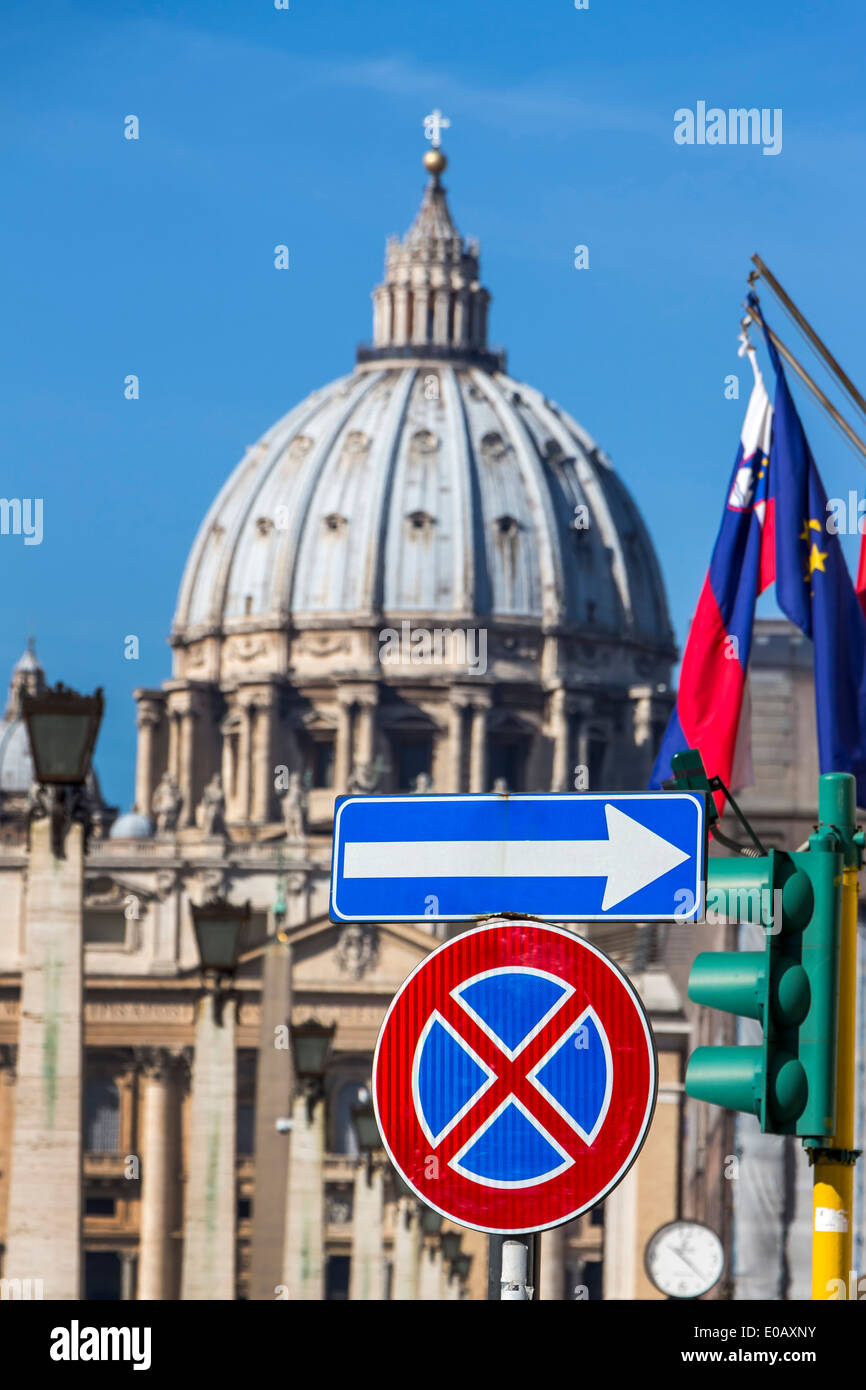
{"type": "Point", "coordinates": [494, 1268]}
{"type": "Point", "coordinates": [833, 1164]}
{"type": "Point", "coordinates": [519, 1277]}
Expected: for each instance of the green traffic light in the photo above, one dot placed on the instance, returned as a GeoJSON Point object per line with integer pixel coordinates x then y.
{"type": "Point", "coordinates": [790, 987]}
{"type": "Point", "coordinates": [727, 1076]}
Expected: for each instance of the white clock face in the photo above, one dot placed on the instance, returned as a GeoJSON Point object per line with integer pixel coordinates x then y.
{"type": "Point", "coordinates": [684, 1259]}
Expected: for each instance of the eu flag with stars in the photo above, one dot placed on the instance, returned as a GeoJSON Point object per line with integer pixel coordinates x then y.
{"type": "Point", "coordinates": [814, 589]}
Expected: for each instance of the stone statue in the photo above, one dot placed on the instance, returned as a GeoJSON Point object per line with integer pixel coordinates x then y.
{"type": "Point", "coordinates": [210, 811]}
{"type": "Point", "coordinates": [167, 801]}
{"type": "Point", "coordinates": [364, 778]}
{"type": "Point", "coordinates": [295, 807]}
{"type": "Point", "coordinates": [423, 783]}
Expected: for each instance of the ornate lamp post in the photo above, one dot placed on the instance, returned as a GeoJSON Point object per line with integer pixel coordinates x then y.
{"type": "Point", "coordinates": [450, 1243]}
{"type": "Point", "coordinates": [62, 727]}
{"type": "Point", "coordinates": [366, 1131]}
{"type": "Point", "coordinates": [430, 1278]}
{"type": "Point", "coordinates": [367, 1274]}
{"type": "Point", "coordinates": [311, 1043]}
{"type": "Point", "coordinates": [304, 1243]}
{"type": "Point", "coordinates": [210, 1208]}
{"type": "Point", "coordinates": [218, 926]}
{"type": "Point", "coordinates": [44, 1221]}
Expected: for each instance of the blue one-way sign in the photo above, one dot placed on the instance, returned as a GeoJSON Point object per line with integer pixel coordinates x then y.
{"type": "Point", "coordinates": [567, 858]}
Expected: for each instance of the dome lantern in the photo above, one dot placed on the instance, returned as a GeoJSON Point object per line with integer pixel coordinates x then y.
{"type": "Point", "coordinates": [431, 302]}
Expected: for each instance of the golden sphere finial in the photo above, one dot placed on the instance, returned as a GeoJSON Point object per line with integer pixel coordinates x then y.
{"type": "Point", "coordinates": [435, 162]}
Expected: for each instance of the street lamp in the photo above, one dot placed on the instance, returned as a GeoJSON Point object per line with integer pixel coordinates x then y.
{"type": "Point", "coordinates": [366, 1131]}
{"type": "Point", "coordinates": [462, 1266]}
{"type": "Point", "coordinates": [62, 727]}
{"type": "Point", "coordinates": [431, 1221]}
{"type": "Point", "coordinates": [218, 926]}
{"type": "Point", "coordinates": [311, 1043]}
{"type": "Point", "coordinates": [450, 1241]}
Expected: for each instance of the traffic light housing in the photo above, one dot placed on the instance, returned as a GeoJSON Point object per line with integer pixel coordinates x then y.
{"type": "Point", "coordinates": [790, 986]}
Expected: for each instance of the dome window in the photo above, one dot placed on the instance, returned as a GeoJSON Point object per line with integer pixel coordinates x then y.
{"type": "Point", "coordinates": [423, 444]}
{"type": "Point", "coordinates": [493, 447]}
{"type": "Point", "coordinates": [553, 451]}
{"type": "Point", "coordinates": [421, 522]}
{"type": "Point", "coordinates": [507, 526]}
{"type": "Point", "coordinates": [356, 448]}
{"type": "Point", "coordinates": [335, 522]}
{"type": "Point", "coordinates": [264, 525]}
{"type": "Point", "coordinates": [300, 447]}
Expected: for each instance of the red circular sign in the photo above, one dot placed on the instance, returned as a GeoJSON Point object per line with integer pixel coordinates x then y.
{"type": "Point", "coordinates": [514, 1078]}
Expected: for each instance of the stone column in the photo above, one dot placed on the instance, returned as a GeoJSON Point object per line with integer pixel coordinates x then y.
{"type": "Point", "coordinates": [619, 1268]}
{"type": "Point", "coordinates": [44, 1220]}
{"type": "Point", "coordinates": [562, 777]}
{"type": "Point", "coordinates": [430, 1275]}
{"type": "Point", "coordinates": [8, 1055]}
{"type": "Point", "coordinates": [145, 774]}
{"type": "Point", "coordinates": [404, 1285]}
{"type": "Point", "coordinates": [401, 314]}
{"type": "Point", "coordinates": [367, 1270]}
{"type": "Point", "coordinates": [304, 1245]}
{"type": "Point", "coordinates": [482, 301]}
{"type": "Point", "coordinates": [456, 720]}
{"type": "Point", "coordinates": [186, 776]}
{"type": "Point", "coordinates": [478, 747]}
{"type": "Point", "coordinates": [366, 735]}
{"type": "Point", "coordinates": [420, 301]}
{"type": "Point", "coordinates": [461, 319]}
{"type": "Point", "coordinates": [440, 317]}
{"type": "Point", "coordinates": [245, 749]}
{"type": "Point", "coordinates": [159, 1165]}
{"type": "Point", "coordinates": [228, 776]}
{"type": "Point", "coordinates": [173, 744]}
{"type": "Point", "coordinates": [127, 1276]}
{"type": "Point", "coordinates": [343, 752]}
{"type": "Point", "coordinates": [262, 758]}
{"type": "Point", "coordinates": [273, 1089]}
{"type": "Point", "coordinates": [210, 1204]}
{"type": "Point", "coordinates": [552, 1280]}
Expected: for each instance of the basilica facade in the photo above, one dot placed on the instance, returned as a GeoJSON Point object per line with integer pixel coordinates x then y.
{"type": "Point", "coordinates": [425, 576]}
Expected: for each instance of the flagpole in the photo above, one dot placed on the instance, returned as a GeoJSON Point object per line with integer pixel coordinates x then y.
{"type": "Point", "coordinates": [817, 343]}
{"type": "Point", "coordinates": [753, 316]}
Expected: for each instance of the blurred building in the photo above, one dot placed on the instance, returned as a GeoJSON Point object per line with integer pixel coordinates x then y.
{"type": "Point", "coordinates": [425, 575]}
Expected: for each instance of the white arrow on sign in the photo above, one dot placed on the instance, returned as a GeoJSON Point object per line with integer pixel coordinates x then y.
{"type": "Point", "coordinates": [630, 858]}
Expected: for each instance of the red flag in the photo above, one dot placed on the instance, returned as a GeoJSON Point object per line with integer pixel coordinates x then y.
{"type": "Point", "coordinates": [861, 574]}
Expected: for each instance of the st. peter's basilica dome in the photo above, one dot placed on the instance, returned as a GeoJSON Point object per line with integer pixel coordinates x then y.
{"type": "Point", "coordinates": [427, 569]}
{"type": "Point", "coordinates": [428, 483]}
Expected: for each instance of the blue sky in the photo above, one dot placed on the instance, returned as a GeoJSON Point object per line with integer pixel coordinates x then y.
{"type": "Point", "coordinates": [304, 126]}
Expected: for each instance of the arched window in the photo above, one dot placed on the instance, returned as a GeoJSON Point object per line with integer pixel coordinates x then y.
{"type": "Point", "coordinates": [345, 1140]}
{"type": "Point", "coordinates": [101, 1116]}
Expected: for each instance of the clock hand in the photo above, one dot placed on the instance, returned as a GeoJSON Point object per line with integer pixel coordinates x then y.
{"type": "Point", "coordinates": [678, 1251]}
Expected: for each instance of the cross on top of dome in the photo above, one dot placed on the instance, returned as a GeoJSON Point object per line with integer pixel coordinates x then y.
{"type": "Point", "coordinates": [434, 124]}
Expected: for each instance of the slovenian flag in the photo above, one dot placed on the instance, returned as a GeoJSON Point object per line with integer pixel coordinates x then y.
{"type": "Point", "coordinates": [712, 709]}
